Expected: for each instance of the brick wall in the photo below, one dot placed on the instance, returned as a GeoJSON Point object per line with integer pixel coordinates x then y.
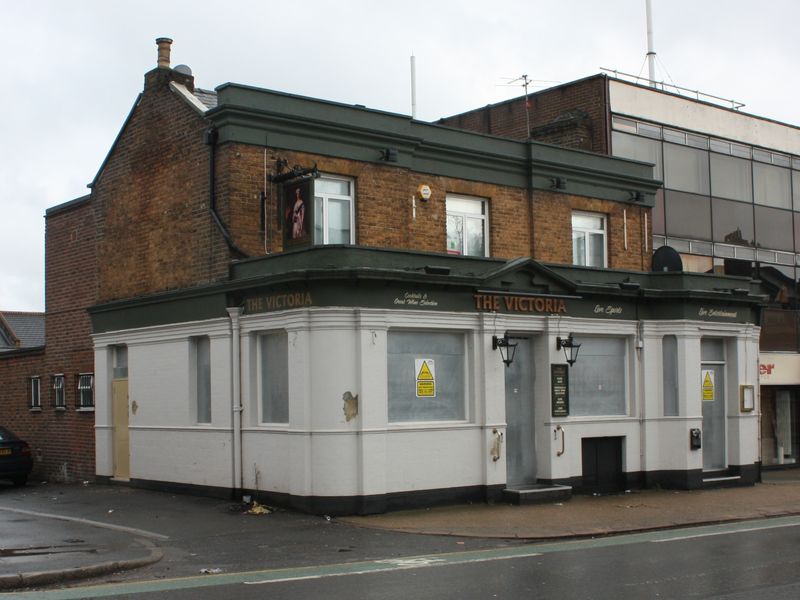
{"type": "Point", "coordinates": [66, 449]}
{"type": "Point", "coordinates": [62, 439]}
{"type": "Point", "coordinates": [151, 201]}
{"type": "Point", "coordinates": [384, 203]}
{"type": "Point", "coordinates": [552, 230]}
{"type": "Point", "coordinates": [507, 119]}
{"type": "Point", "coordinates": [16, 370]}
{"type": "Point", "coordinates": [385, 210]}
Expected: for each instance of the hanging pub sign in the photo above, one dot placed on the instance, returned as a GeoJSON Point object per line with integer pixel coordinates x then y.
{"type": "Point", "coordinates": [559, 381]}
{"type": "Point", "coordinates": [298, 213]}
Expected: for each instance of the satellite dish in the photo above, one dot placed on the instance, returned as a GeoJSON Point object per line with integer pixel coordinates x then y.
{"type": "Point", "coordinates": [183, 69]}
{"type": "Point", "coordinates": [667, 258]}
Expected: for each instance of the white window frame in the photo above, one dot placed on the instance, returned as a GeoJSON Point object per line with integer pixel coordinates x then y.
{"type": "Point", "coordinates": [325, 198]}
{"type": "Point", "coordinates": [59, 392]}
{"type": "Point", "coordinates": [36, 393]}
{"type": "Point", "coordinates": [482, 216]}
{"type": "Point", "coordinates": [85, 389]}
{"type": "Point", "coordinates": [586, 231]}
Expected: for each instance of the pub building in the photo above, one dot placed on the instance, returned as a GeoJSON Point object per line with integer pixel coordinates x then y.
{"type": "Point", "coordinates": [344, 310]}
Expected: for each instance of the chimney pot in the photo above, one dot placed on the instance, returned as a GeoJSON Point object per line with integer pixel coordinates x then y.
{"type": "Point", "coordinates": [163, 52]}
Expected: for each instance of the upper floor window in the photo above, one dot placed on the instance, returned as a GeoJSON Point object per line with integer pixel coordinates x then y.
{"type": "Point", "coordinates": [589, 239]}
{"type": "Point", "coordinates": [59, 397]}
{"type": "Point", "coordinates": [333, 210]}
{"type": "Point", "coordinates": [85, 390]}
{"type": "Point", "coordinates": [467, 226]}
{"type": "Point", "coordinates": [36, 392]}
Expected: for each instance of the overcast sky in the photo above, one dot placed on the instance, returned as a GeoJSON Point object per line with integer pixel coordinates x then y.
{"type": "Point", "coordinates": [72, 71]}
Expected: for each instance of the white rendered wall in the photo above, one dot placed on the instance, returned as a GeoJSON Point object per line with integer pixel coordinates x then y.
{"type": "Point", "coordinates": [166, 442]}
{"type": "Point", "coordinates": [337, 351]}
{"type": "Point", "coordinates": [684, 113]}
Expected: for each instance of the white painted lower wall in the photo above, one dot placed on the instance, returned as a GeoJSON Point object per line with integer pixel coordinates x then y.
{"type": "Point", "coordinates": [333, 351]}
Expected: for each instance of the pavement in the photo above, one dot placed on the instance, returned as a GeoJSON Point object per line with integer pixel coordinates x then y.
{"type": "Point", "coordinates": [51, 534]}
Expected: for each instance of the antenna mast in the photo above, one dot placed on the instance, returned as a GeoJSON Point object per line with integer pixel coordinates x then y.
{"type": "Point", "coordinates": [413, 87]}
{"type": "Point", "coordinates": [651, 52]}
{"type": "Point", "coordinates": [525, 83]}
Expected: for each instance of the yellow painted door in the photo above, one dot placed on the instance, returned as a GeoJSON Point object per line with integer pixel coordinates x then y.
{"type": "Point", "coordinates": [119, 414]}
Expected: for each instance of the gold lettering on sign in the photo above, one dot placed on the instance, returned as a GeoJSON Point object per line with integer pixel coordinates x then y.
{"type": "Point", "coordinates": [278, 302]}
{"type": "Point", "coordinates": [524, 304]}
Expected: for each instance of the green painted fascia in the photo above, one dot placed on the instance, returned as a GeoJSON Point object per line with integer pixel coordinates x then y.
{"type": "Point", "coordinates": [266, 118]}
{"type": "Point", "coordinates": [593, 175]}
{"type": "Point", "coordinates": [194, 304]}
{"type": "Point", "coordinates": [346, 270]}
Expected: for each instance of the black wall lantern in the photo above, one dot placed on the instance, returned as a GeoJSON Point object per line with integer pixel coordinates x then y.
{"type": "Point", "coordinates": [570, 348]}
{"type": "Point", "coordinates": [506, 346]}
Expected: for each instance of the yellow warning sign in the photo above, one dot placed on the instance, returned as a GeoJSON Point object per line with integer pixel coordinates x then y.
{"type": "Point", "coordinates": [426, 377]}
{"type": "Point", "coordinates": [708, 386]}
{"type": "Point", "coordinates": [425, 372]}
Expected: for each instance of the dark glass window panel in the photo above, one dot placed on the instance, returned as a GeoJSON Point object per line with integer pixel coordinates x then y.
{"type": "Point", "coordinates": [772, 185]}
{"type": "Point", "coordinates": [698, 141]}
{"type": "Point", "coordinates": [686, 169]}
{"type": "Point", "coordinates": [678, 137]}
{"type": "Point", "coordinates": [731, 178]}
{"type": "Point", "coordinates": [624, 124]}
{"type": "Point", "coordinates": [796, 189]}
{"type": "Point", "coordinates": [762, 155]}
{"type": "Point", "coordinates": [774, 228]}
{"type": "Point", "coordinates": [652, 131]}
{"type": "Point", "coordinates": [721, 146]}
{"type": "Point", "coordinates": [741, 151]}
{"type": "Point", "coordinates": [779, 330]}
{"type": "Point", "coordinates": [658, 213]}
{"type": "Point", "coordinates": [732, 222]}
{"type": "Point", "coordinates": [687, 215]}
{"type": "Point", "coordinates": [797, 231]}
{"type": "Point", "coordinates": [702, 248]}
{"type": "Point", "coordinates": [638, 148]}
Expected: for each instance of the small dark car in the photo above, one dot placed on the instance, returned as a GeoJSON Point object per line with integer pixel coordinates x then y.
{"type": "Point", "coordinates": [15, 458]}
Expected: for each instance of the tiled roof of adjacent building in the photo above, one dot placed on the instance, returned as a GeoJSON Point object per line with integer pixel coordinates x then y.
{"type": "Point", "coordinates": [207, 97]}
{"type": "Point", "coordinates": [21, 330]}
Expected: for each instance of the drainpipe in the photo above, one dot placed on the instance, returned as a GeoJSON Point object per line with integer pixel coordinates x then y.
{"type": "Point", "coordinates": [210, 139]}
{"type": "Point", "coordinates": [236, 396]}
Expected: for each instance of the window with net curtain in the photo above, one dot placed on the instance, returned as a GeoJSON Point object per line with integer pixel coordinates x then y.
{"type": "Point", "coordinates": [447, 351]}
{"type": "Point", "coordinates": [333, 210]}
{"type": "Point", "coordinates": [589, 239]}
{"type": "Point", "coordinates": [466, 225]}
{"type": "Point", "coordinates": [597, 381]}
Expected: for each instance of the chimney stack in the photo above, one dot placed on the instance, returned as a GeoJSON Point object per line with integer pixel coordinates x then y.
{"type": "Point", "coordinates": [163, 52]}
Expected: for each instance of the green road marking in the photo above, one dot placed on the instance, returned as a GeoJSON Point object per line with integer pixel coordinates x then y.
{"type": "Point", "coordinates": [268, 576]}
